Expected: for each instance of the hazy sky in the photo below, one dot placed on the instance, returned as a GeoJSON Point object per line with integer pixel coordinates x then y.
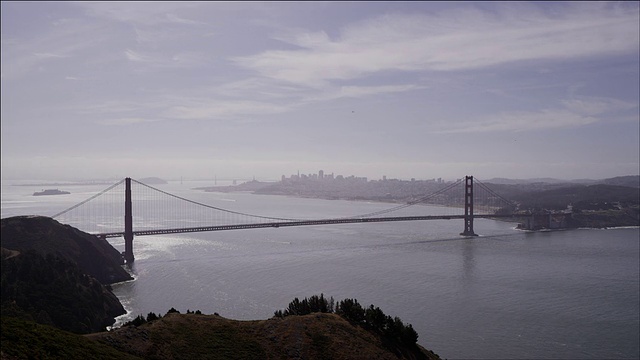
{"type": "Point", "coordinates": [402, 89]}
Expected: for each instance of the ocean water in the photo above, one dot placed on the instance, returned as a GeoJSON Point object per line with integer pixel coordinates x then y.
{"type": "Point", "coordinates": [506, 294]}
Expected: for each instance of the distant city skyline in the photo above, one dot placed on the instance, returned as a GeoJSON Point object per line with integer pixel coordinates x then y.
{"type": "Point", "coordinates": [94, 90]}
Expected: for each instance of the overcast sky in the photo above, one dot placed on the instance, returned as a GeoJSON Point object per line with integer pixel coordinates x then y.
{"type": "Point", "coordinates": [242, 89]}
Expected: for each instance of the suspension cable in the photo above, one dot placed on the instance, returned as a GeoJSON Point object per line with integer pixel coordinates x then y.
{"type": "Point", "coordinates": [89, 199]}
{"type": "Point", "coordinates": [213, 207]}
{"type": "Point", "coordinates": [380, 212]}
{"type": "Point", "coordinates": [410, 203]}
{"type": "Point", "coordinates": [485, 187]}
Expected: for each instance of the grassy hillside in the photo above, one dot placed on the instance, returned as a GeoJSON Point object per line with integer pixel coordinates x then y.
{"type": "Point", "coordinates": [22, 339]}
{"type": "Point", "coordinates": [313, 336]}
{"type": "Point", "coordinates": [191, 336]}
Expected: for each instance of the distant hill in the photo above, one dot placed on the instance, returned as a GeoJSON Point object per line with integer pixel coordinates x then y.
{"type": "Point", "coordinates": [629, 181]}
{"type": "Point", "coordinates": [505, 181]}
{"type": "Point", "coordinates": [580, 196]}
{"type": "Point", "coordinates": [152, 181]}
{"type": "Point", "coordinates": [253, 185]}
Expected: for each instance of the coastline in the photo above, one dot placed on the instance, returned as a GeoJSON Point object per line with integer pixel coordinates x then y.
{"type": "Point", "coordinates": [576, 223]}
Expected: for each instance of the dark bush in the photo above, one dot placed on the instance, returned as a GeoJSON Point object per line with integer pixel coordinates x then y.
{"type": "Point", "coordinates": [139, 320]}
{"type": "Point", "coordinates": [151, 316]}
{"type": "Point", "coordinates": [313, 304]}
{"type": "Point", "coordinates": [351, 310]}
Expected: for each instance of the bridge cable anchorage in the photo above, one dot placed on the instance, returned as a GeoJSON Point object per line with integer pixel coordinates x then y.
{"type": "Point", "coordinates": [213, 207]}
{"type": "Point", "coordinates": [410, 203]}
{"type": "Point", "coordinates": [87, 200]}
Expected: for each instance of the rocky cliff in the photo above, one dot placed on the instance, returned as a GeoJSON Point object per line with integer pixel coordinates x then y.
{"type": "Point", "coordinates": [57, 275]}
{"type": "Point", "coordinates": [93, 256]}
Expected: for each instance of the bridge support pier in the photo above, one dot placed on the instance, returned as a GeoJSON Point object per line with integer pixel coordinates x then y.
{"type": "Point", "coordinates": [468, 207]}
{"type": "Point", "coordinates": [128, 224]}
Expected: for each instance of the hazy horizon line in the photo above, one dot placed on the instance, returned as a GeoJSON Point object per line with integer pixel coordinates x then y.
{"type": "Point", "coordinates": [275, 179]}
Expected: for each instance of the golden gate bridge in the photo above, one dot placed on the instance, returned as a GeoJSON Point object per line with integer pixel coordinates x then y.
{"type": "Point", "coordinates": [131, 208]}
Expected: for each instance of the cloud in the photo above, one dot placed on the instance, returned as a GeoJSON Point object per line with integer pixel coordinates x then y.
{"type": "Point", "coordinates": [111, 106]}
{"type": "Point", "coordinates": [207, 109]}
{"type": "Point", "coordinates": [137, 57]}
{"type": "Point", "coordinates": [49, 55]}
{"type": "Point", "coordinates": [362, 91]}
{"type": "Point", "coordinates": [333, 93]}
{"type": "Point", "coordinates": [520, 121]}
{"type": "Point", "coordinates": [268, 97]}
{"type": "Point", "coordinates": [257, 88]}
{"type": "Point", "coordinates": [126, 121]}
{"type": "Point", "coordinates": [168, 107]}
{"type": "Point", "coordinates": [179, 20]}
{"type": "Point", "coordinates": [597, 106]}
{"type": "Point", "coordinates": [162, 37]}
{"type": "Point", "coordinates": [160, 60]}
{"type": "Point", "coordinates": [456, 40]}
{"type": "Point", "coordinates": [143, 13]}
{"type": "Point", "coordinates": [62, 42]}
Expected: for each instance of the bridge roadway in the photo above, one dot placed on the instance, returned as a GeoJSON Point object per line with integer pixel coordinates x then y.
{"type": "Point", "coordinates": [297, 223]}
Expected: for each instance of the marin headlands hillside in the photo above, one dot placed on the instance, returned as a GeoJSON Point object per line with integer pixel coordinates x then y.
{"type": "Point", "coordinates": [313, 335]}
{"type": "Point", "coordinates": [59, 276]}
{"type": "Point", "coordinates": [46, 236]}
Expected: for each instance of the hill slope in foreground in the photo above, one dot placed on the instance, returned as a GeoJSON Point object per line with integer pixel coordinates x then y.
{"type": "Point", "coordinates": [313, 336]}
{"type": "Point", "coordinates": [192, 336]}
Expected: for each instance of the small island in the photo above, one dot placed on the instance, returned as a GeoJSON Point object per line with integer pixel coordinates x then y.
{"type": "Point", "coordinates": [51, 192]}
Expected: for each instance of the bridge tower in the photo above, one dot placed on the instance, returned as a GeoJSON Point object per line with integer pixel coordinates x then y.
{"type": "Point", "coordinates": [468, 207]}
{"type": "Point", "coordinates": [128, 224]}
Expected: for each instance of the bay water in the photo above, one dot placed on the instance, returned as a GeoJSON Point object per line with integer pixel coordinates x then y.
{"type": "Point", "coordinates": [506, 294]}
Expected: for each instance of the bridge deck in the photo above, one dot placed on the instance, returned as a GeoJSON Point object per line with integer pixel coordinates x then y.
{"type": "Point", "coordinates": [296, 223]}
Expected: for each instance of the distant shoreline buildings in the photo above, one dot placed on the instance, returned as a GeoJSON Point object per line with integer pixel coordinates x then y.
{"type": "Point", "coordinates": [320, 176]}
